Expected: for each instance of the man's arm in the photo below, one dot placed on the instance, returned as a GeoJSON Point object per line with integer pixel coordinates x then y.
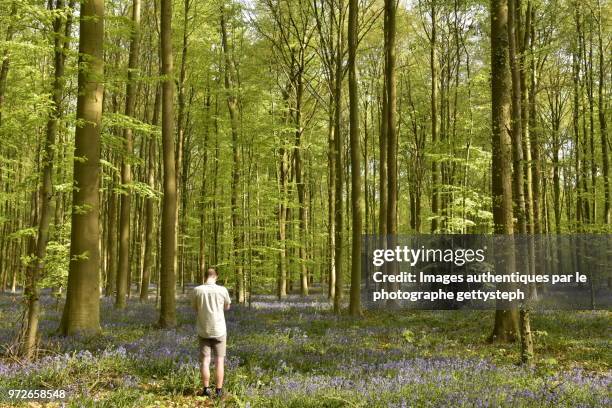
{"type": "Point", "coordinates": [228, 300]}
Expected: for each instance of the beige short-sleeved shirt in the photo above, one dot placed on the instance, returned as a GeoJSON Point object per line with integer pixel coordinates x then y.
{"type": "Point", "coordinates": [209, 300]}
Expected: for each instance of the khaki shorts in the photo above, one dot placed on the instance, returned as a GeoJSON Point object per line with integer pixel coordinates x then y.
{"type": "Point", "coordinates": [216, 346]}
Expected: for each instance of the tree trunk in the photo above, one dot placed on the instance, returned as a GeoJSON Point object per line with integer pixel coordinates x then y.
{"type": "Point", "coordinates": [603, 128]}
{"type": "Point", "coordinates": [391, 8]}
{"type": "Point", "coordinates": [46, 188]}
{"type": "Point", "coordinates": [299, 181]}
{"type": "Point", "coordinates": [506, 321]}
{"type": "Point", "coordinates": [331, 202]}
{"type": "Point", "coordinates": [111, 245]}
{"type": "Point", "coordinates": [576, 133]}
{"type": "Point", "coordinates": [202, 249]}
{"type": "Point", "coordinates": [356, 195]}
{"type": "Point", "coordinates": [167, 315]}
{"type": "Point", "coordinates": [390, 85]}
{"type": "Point", "coordinates": [339, 185]}
{"type": "Point", "coordinates": [149, 240]}
{"type": "Point", "coordinates": [434, 119]}
{"type": "Point", "coordinates": [518, 164]}
{"type": "Point", "coordinates": [282, 225]}
{"type": "Point", "coordinates": [123, 272]}
{"type": "Point", "coordinates": [232, 105]}
{"type": "Point", "coordinates": [82, 308]}
{"type": "Point", "coordinates": [534, 134]}
{"type": "Point", "coordinates": [180, 159]}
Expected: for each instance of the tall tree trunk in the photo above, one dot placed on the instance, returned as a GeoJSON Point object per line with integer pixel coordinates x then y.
{"type": "Point", "coordinates": [534, 133]}
{"type": "Point", "coordinates": [434, 119]}
{"type": "Point", "coordinates": [4, 70]}
{"type": "Point", "coordinates": [123, 272]}
{"type": "Point", "coordinates": [588, 62]}
{"type": "Point", "coordinates": [216, 225]}
{"type": "Point", "coordinates": [576, 55]}
{"type": "Point", "coordinates": [167, 315]}
{"type": "Point", "coordinates": [517, 147]}
{"type": "Point", "coordinates": [232, 105]}
{"type": "Point", "coordinates": [339, 185]}
{"type": "Point", "coordinates": [112, 220]}
{"type": "Point", "coordinates": [299, 181]}
{"type": "Point", "coordinates": [506, 321]}
{"type": "Point", "coordinates": [382, 145]}
{"type": "Point", "coordinates": [382, 160]}
{"type": "Point", "coordinates": [331, 201]}
{"type": "Point", "coordinates": [111, 245]}
{"type": "Point", "coordinates": [391, 10]}
{"type": "Point", "coordinates": [514, 11]}
{"type": "Point", "coordinates": [282, 224]}
{"type": "Point", "coordinates": [356, 195]}
{"type": "Point", "coordinates": [45, 192]}
{"type": "Point", "coordinates": [180, 151]}
{"type": "Point", "coordinates": [523, 38]}
{"type": "Point", "coordinates": [603, 128]}
{"type": "Point", "coordinates": [149, 241]}
{"type": "Point", "coordinates": [82, 307]}
{"type": "Point", "coordinates": [183, 195]}
{"type": "Point", "coordinates": [202, 248]}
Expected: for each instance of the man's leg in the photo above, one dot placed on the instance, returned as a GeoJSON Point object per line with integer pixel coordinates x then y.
{"type": "Point", "coordinates": [205, 370]}
{"type": "Point", "coordinates": [205, 351]}
{"type": "Point", "coordinates": [219, 370]}
{"type": "Point", "coordinates": [219, 350]}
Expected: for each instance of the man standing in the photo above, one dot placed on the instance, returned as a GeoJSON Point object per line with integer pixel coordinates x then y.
{"type": "Point", "coordinates": [209, 301]}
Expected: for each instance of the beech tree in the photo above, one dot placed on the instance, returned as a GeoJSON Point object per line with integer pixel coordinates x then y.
{"type": "Point", "coordinates": [82, 309]}
{"type": "Point", "coordinates": [167, 316]}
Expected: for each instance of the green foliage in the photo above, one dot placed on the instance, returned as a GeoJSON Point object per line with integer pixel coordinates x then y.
{"type": "Point", "coordinates": [56, 265]}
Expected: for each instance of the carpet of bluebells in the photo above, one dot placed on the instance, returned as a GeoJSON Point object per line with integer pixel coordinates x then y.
{"type": "Point", "coordinates": [299, 354]}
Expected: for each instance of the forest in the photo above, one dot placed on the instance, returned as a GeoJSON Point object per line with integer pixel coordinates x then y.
{"type": "Point", "coordinates": [145, 141]}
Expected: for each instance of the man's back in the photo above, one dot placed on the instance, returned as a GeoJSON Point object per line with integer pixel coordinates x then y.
{"type": "Point", "coordinates": [210, 301]}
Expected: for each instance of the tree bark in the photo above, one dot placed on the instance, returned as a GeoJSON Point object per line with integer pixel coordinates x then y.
{"type": "Point", "coordinates": [331, 201]}
{"type": "Point", "coordinates": [202, 248]}
{"type": "Point", "coordinates": [45, 193]}
{"type": "Point", "coordinates": [82, 308]}
{"type": "Point", "coordinates": [149, 241]}
{"type": "Point", "coordinates": [519, 171]}
{"type": "Point", "coordinates": [167, 316]}
{"type": "Point", "coordinates": [232, 105]}
{"type": "Point", "coordinates": [356, 194]}
{"type": "Point", "coordinates": [180, 159]}
{"type": "Point", "coordinates": [506, 321]}
{"type": "Point", "coordinates": [434, 119]}
{"type": "Point", "coordinates": [123, 272]}
{"type": "Point", "coordinates": [603, 127]}
{"type": "Point", "coordinates": [391, 8]}
{"type": "Point", "coordinates": [534, 134]}
{"type": "Point", "coordinates": [339, 169]}
{"type": "Point", "coordinates": [299, 181]}
{"type": "Point", "coordinates": [391, 136]}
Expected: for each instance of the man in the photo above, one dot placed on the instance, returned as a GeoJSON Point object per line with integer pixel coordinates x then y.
{"type": "Point", "coordinates": [209, 301]}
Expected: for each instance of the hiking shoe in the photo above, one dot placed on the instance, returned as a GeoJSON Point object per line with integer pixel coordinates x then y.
{"type": "Point", "coordinates": [219, 392]}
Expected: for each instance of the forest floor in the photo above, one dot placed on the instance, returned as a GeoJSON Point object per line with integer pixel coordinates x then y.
{"type": "Point", "coordinates": [299, 354]}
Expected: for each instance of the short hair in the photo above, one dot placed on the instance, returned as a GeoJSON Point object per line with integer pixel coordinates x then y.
{"type": "Point", "coordinates": [210, 272]}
